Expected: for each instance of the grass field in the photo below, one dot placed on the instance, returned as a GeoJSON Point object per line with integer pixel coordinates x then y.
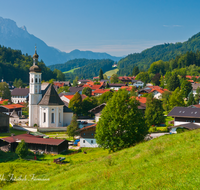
{"type": "Point", "coordinates": [16, 132]}
{"type": "Point", "coordinates": [111, 72]}
{"type": "Point", "coordinates": [167, 162]}
{"type": "Point", "coordinates": [71, 71]}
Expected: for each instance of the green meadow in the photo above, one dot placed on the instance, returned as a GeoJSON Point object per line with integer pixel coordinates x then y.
{"type": "Point", "coordinates": [167, 162]}
{"type": "Point", "coordinates": [71, 71]}
{"type": "Point", "coordinates": [111, 72]}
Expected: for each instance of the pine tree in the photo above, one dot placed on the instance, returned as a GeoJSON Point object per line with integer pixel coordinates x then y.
{"type": "Point", "coordinates": [100, 75]}
{"type": "Point", "coordinates": [72, 127]}
{"type": "Point", "coordinates": [136, 71]}
{"type": "Point", "coordinates": [22, 149]}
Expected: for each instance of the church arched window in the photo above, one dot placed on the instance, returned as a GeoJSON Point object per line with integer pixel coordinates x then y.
{"type": "Point", "coordinates": [36, 80]}
{"type": "Point", "coordinates": [32, 80]}
{"type": "Point", "coordinates": [39, 80]}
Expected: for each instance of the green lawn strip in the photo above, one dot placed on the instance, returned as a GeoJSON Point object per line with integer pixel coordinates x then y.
{"type": "Point", "coordinates": [14, 131]}
{"type": "Point", "coordinates": [167, 162]}
{"type": "Point", "coordinates": [111, 72]}
{"type": "Point", "coordinates": [71, 71]}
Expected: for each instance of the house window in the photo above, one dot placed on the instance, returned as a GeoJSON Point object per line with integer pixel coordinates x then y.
{"type": "Point", "coordinates": [52, 117]}
{"type": "Point", "coordinates": [91, 141]}
{"type": "Point", "coordinates": [83, 141]}
{"type": "Point", "coordinates": [51, 149]}
{"type": "Point", "coordinates": [44, 117]}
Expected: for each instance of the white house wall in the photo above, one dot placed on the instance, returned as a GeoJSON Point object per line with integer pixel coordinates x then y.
{"type": "Point", "coordinates": [67, 117]}
{"type": "Point", "coordinates": [86, 142]}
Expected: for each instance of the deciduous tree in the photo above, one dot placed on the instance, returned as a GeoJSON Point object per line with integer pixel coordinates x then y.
{"type": "Point", "coordinates": [76, 103]}
{"type": "Point", "coordinates": [121, 124]}
{"type": "Point", "coordinates": [154, 112]}
{"type": "Point", "coordinates": [100, 74]}
{"type": "Point", "coordinates": [87, 91]}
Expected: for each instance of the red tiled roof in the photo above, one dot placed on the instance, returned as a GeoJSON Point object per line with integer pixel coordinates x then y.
{"type": "Point", "coordinates": [71, 96]}
{"type": "Point", "coordinates": [12, 106]}
{"type": "Point", "coordinates": [100, 91]}
{"type": "Point", "coordinates": [128, 88]}
{"type": "Point", "coordinates": [142, 99]}
{"type": "Point", "coordinates": [87, 127]}
{"type": "Point", "coordinates": [33, 140]}
{"type": "Point", "coordinates": [190, 80]}
{"type": "Point", "coordinates": [127, 78]}
{"type": "Point", "coordinates": [190, 77]}
{"type": "Point", "coordinates": [3, 100]}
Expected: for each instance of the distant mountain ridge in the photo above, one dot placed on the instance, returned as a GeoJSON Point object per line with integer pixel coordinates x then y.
{"type": "Point", "coordinates": [163, 52]}
{"type": "Point", "coordinates": [18, 38]}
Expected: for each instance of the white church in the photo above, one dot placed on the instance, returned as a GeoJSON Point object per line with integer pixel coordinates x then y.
{"type": "Point", "coordinates": [46, 109]}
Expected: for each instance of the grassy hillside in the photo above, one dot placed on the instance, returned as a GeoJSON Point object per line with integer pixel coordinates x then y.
{"type": "Point", "coordinates": [111, 72]}
{"type": "Point", "coordinates": [168, 162]}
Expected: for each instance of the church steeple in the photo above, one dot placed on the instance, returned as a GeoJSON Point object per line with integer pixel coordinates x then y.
{"type": "Point", "coordinates": [35, 68]}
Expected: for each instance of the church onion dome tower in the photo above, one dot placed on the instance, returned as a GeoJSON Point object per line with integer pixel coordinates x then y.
{"type": "Point", "coordinates": [35, 68]}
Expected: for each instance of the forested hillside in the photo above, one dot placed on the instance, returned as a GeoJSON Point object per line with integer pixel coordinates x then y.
{"type": "Point", "coordinates": [13, 64]}
{"type": "Point", "coordinates": [89, 68]}
{"type": "Point", "coordinates": [163, 52]}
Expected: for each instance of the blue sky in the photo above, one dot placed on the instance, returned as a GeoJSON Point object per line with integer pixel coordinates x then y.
{"type": "Point", "coordinates": [118, 27]}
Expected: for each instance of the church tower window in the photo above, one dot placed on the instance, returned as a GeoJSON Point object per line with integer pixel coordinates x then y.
{"type": "Point", "coordinates": [36, 80]}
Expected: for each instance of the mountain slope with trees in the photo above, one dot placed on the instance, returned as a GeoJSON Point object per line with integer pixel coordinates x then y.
{"type": "Point", "coordinates": [163, 52]}
{"type": "Point", "coordinates": [86, 68]}
{"type": "Point", "coordinates": [13, 64]}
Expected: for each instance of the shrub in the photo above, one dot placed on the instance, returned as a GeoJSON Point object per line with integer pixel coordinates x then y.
{"type": "Point", "coordinates": [181, 130]}
{"type": "Point", "coordinates": [22, 149]}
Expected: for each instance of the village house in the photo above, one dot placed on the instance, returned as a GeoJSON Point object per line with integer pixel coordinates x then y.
{"type": "Point", "coordinates": [76, 89]}
{"type": "Point", "coordinates": [138, 83]}
{"type": "Point", "coordinates": [20, 95]}
{"type": "Point", "coordinates": [4, 123]}
{"type": "Point", "coordinates": [99, 92]}
{"type": "Point", "coordinates": [8, 109]}
{"type": "Point", "coordinates": [87, 136]}
{"type": "Point", "coordinates": [126, 79]}
{"type": "Point", "coordinates": [116, 86]}
{"type": "Point", "coordinates": [185, 117]}
{"type": "Point", "coordinates": [66, 98]}
{"type": "Point", "coordinates": [35, 143]}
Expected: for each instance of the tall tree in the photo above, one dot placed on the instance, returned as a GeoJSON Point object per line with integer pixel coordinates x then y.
{"type": "Point", "coordinates": [114, 78]}
{"type": "Point", "coordinates": [154, 112]}
{"type": "Point", "coordinates": [143, 76]}
{"type": "Point", "coordinates": [121, 124]}
{"type": "Point", "coordinates": [75, 81]}
{"type": "Point", "coordinates": [165, 99]}
{"type": "Point", "coordinates": [73, 126]}
{"type": "Point", "coordinates": [186, 87]}
{"type": "Point", "coordinates": [156, 79]}
{"type": "Point", "coordinates": [173, 82]}
{"type": "Point", "coordinates": [197, 95]}
{"type": "Point", "coordinates": [4, 91]}
{"type": "Point", "coordinates": [100, 74]}
{"type": "Point", "coordinates": [136, 71]}
{"type": "Point", "coordinates": [191, 100]}
{"type": "Point", "coordinates": [176, 99]}
{"type": "Point", "coordinates": [87, 91]}
{"type": "Point", "coordinates": [76, 103]}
